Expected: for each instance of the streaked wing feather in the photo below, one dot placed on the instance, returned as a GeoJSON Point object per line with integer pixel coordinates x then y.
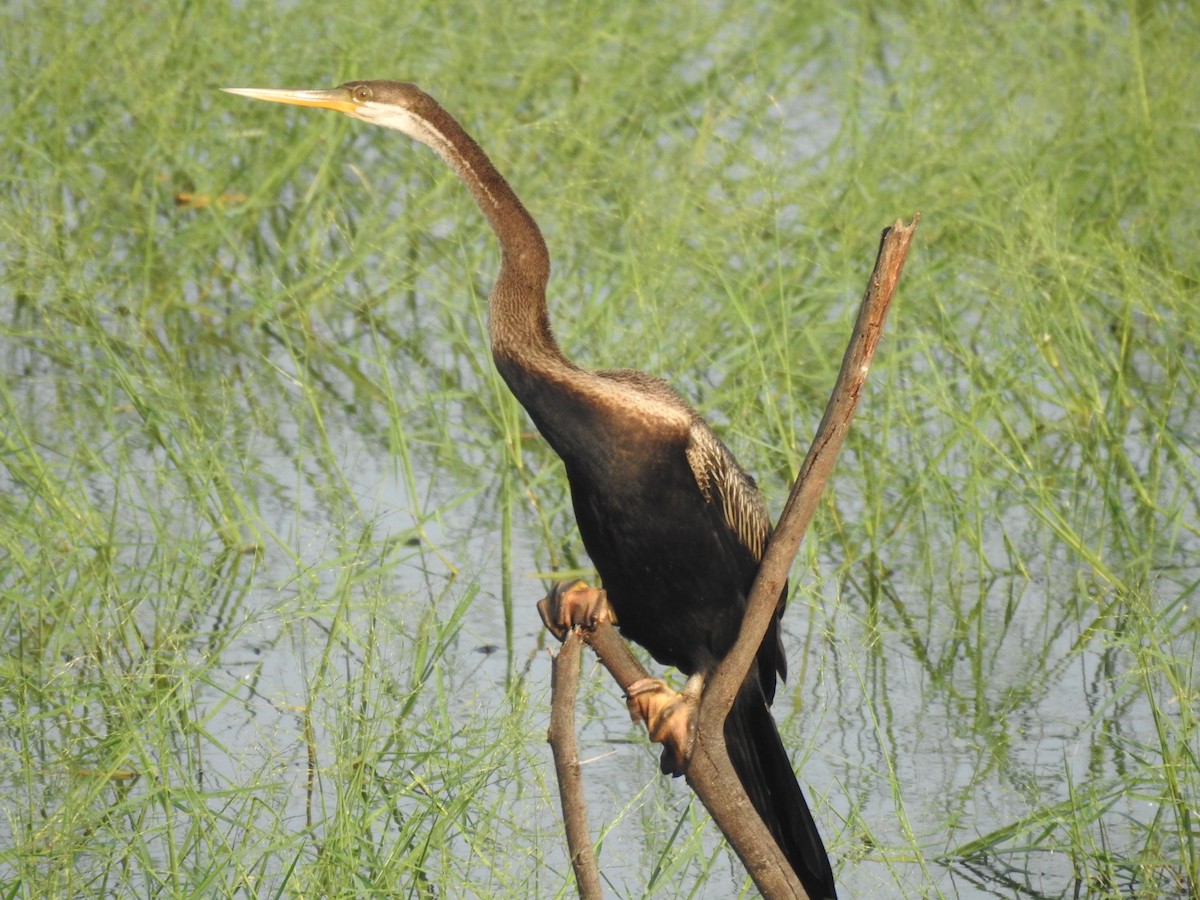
{"type": "Point", "coordinates": [721, 479]}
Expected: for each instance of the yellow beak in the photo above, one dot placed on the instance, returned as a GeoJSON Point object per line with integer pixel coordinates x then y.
{"type": "Point", "coordinates": [335, 98]}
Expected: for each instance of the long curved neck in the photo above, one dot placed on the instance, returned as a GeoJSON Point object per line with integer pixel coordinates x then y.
{"type": "Point", "coordinates": [518, 322]}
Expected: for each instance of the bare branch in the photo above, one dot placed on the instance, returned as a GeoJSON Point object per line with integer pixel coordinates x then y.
{"type": "Point", "coordinates": [709, 771]}
{"type": "Point", "coordinates": [564, 680]}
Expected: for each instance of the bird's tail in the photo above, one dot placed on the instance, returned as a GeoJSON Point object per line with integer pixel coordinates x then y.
{"type": "Point", "coordinates": [762, 765]}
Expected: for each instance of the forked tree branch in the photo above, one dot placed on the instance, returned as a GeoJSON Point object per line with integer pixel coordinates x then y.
{"type": "Point", "coordinates": [709, 770]}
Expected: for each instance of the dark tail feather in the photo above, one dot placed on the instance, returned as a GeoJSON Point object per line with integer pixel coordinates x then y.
{"type": "Point", "coordinates": [762, 764]}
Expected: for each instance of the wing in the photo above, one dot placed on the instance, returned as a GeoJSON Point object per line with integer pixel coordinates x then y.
{"type": "Point", "coordinates": [727, 485]}
{"type": "Point", "coordinates": [738, 508]}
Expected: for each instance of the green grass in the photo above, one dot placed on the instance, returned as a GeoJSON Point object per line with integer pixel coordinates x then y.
{"type": "Point", "coordinates": [271, 527]}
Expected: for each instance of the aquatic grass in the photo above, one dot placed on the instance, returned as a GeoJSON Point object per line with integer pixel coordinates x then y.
{"type": "Point", "coordinates": [271, 525]}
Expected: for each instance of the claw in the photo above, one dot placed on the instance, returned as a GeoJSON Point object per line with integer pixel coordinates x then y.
{"type": "Point", "coordinates": [670, 717]}
{"type": "Point", "coordinates": [572, 603]}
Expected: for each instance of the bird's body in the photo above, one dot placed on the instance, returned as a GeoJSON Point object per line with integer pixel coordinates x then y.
{"type": "Point", "coordinates": [676, 530]}
{"type": "Point", "coordinates": [649, 484]}
{"type": "Point", "coordinates": [673, 524]}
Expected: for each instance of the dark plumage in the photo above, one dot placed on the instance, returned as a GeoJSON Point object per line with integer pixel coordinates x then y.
{"type": "Point", "coordinates": [672, 523]}
{"type": "Point", "coordinates": [676, 530]}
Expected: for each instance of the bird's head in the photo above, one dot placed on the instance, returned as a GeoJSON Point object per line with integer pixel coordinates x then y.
{"type": "Point", "coordinates": [392, 104]}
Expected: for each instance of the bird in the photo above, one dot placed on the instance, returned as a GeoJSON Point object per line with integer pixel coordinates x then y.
{"type": "Point", "coordinates": [674, 526]}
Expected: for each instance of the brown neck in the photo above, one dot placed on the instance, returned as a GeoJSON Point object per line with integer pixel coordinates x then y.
{"type": "Point", "coordinates": [518, 323]}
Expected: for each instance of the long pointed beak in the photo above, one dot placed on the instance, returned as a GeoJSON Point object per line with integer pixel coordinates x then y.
{"type": "Point", "coordinates": [335, 98]}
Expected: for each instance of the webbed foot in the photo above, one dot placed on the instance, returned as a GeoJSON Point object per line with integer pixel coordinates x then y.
{"type": "Point", "coordinates": [572, 603]}
{"type": "Point", "coordinates": [670, 717]}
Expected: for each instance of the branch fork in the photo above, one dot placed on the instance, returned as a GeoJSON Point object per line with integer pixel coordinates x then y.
{"type": "Point", "coordinates": [578, 614]}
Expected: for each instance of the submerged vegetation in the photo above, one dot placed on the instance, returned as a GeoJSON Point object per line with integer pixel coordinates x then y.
{"type": "Point", "coordinates": [272, 528]}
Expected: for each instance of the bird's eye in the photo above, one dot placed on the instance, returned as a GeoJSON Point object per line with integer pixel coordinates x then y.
{"type": "Point", "coordinates": [362, 94]}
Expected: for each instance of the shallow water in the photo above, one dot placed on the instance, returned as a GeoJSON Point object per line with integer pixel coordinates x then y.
{"type": "Point", "coordinates": [978, 733]}
{"type": "Point", "coordinates": [942, 688]}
